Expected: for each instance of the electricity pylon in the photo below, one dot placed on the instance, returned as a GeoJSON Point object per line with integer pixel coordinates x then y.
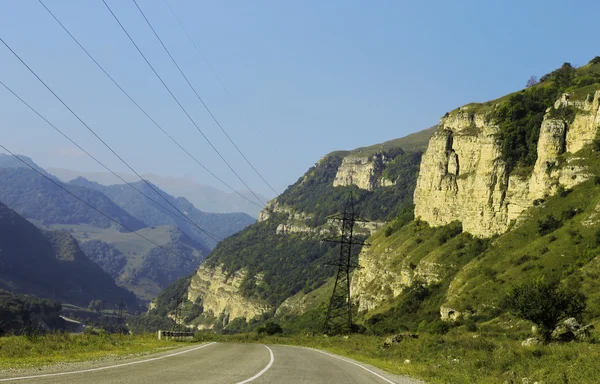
{"type": "Point", "coordinates": [339, 315]}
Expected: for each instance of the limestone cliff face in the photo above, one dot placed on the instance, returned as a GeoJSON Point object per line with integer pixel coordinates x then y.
{"type": "Point", "coordinates": [377, 281]}
{"type": "Point", "coordinates": [220, 294]}
{"type": "Point", "coordinates": [363, 171]}
{"type": "Point", "coordinates": [462, 176]}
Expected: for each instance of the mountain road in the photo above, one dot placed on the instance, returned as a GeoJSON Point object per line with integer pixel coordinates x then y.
{"type": "Point", "coordinates": [222, 363]}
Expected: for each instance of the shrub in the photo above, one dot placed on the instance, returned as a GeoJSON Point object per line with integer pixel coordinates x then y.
{"type": "Point", "coordinates": [548, 225]}
{"type": "Point", "coordinates": [595, 60]}
{"type": "Point", "coordinates": [544, 303]}
{"type": "Point", "coordinates": [438, 327]}
{"type": "Point", "coordinates": [270, 328]}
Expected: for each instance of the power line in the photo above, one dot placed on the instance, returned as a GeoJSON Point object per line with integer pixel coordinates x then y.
{"type": "Point", "coordinates": [211, 235]}
{"type": "Point", "coordinates": [80, 199]}
{"type": "Point", "coordinates": [95, 134]}
{"type": "Point", "coordinates": [178, 103]}
{"type": "Point", "coordinates": [141, 109]}
{"type": "Point", "coordinates": [196, 93]}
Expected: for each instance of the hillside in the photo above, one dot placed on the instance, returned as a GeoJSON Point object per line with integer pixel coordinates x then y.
{"type": "Point", "coordinates": [506, 193]}
{"type": "Point", "coordinates": [220, 224]}
{"type": "Point", "coordinates": [255, 270]}
{"type": "Point", "coordinates": [35, 197]}
{"type": "Point", "coordinates": [50, 264]}
{"type": "Point", "coordinates": [138, 265]}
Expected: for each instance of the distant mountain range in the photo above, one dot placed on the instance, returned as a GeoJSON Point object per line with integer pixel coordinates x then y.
{"type": "Point", "coordinates": [134, 203]}
{"type": "Point", "coordinates": [135, 263]}
{"type": "Point", "coordinates": [204, 197]}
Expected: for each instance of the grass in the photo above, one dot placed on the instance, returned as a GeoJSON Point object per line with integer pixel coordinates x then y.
{"type": "Point", "coordinates": [37, 351]}
{"type": "Point", "coordinates": [457, 357]}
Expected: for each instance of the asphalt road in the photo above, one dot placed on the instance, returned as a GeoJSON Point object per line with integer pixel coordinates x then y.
{"type": "Point", "coordinates": [217, 363]}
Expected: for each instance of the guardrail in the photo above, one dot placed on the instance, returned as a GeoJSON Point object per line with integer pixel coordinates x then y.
{"type": "Point", "coordinates": [178, 335]}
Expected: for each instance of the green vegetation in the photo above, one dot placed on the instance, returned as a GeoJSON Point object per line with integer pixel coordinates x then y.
{"type": "Point", "coordinates": [288, 263]}
{"type": "Point", "coordinates": [35, 197]}
{"type": "Point", "coordinates": [314, 191]}
{"type": "Point", "coordinates": [520, 114]}
{"type": "Point", "coordinates": [42, 350]}
{"type": "Point", "coordinates": [545, 303]}
{"type": "Point", "coordinates": [61, 269]}
{"type": "Point", "coordinates": [25, 314]}
{"type": "Point", "coordinates": [488, 356]}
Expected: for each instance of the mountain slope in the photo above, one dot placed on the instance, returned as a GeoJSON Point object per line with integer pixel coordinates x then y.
{"type": "Point", "coordinates": [35, 197]}
{"type": "Point", "coordinates": [257, 269]}
{"type": "Point", "coordinates": [141, 267]}
{"type": "Point", "coordinates": [220, 224]}
{"type": "Point", "coordinates": [51, 264]}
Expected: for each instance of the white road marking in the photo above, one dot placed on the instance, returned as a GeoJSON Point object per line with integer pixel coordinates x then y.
{"type": "Point", "coordinates": [265, 369]}
{"type": "Point", "coordinates": [358, 365]}
{"type": "Point", "coordinates": [108, 367]}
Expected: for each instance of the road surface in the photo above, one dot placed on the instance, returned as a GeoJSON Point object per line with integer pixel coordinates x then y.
{"type": "Point", "coordinates": [226, 363]}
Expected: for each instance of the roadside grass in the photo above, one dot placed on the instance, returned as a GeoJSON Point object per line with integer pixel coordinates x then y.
{"type": "Point", "coordinates": [457, 357]}
{"type": "Point", "coordinates": [36, 351]}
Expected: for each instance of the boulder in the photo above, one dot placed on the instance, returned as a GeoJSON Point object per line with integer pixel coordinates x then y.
{"type": "Point", "coordinates": [532, 341]}
{"type": "Point", "coordinates": [396, 339]}
{"type": "Point", "coordinates": [566, 330]}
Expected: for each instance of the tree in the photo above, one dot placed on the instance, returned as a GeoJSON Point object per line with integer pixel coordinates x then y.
{"type": "Point", "coordinates": [533, 80]}
{"type": "Point", "coordinates": [545, 303]}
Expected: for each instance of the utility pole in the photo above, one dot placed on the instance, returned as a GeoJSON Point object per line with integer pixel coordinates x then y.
{"type": "Point", "coordinates": [339, 315]}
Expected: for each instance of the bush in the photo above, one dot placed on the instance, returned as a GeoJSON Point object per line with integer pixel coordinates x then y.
{"type": "Point", "coordinates": [438, 327]}
{"type": "Point", "coordinates": [270, 328]}
{"type": "Point", "coordinates": [548, 225]}
{"type": "Point", "coordinates": [544, 303]}
{"type": "Point", "coordinates": [595, 60]}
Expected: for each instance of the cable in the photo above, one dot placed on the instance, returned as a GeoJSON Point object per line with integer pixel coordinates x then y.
{"type": "Point", "coordinates": [96, 135]}
{"type": "Point", "coordinates": [194, 89]}
{"type": "Point", "coordinates": [178, 103]}
{"type": "Point", "coordinates": [83, 201]}
{"type": "Point", "coordinates": [141, 109]}
{"type": "Point", "coordinates": [212, 235]}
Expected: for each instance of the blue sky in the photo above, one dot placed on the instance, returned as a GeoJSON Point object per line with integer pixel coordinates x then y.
{"type": "Point", "coordinates": [307, 77]}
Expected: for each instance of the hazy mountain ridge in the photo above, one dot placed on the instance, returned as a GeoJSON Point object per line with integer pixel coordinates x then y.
{"type": "Point", "coordinates": [219, 224]}
{"type": "Point", "coordinates": [35, 197]}
{"type": "Point", "coordinates": [204, 197]}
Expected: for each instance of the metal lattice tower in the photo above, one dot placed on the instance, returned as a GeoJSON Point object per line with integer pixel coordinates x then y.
{"type": "Point", "coordinates": [339, 315]}
{"type": "Point", "coordinates": [177, 327]}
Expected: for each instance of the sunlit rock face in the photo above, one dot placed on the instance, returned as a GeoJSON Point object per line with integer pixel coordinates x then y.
{"type": "Point", "coordinates": [462, 176]}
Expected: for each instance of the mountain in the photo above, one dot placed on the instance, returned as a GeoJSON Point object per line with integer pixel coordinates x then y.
{"type": "Point", "coordinates": [507, 192]}
{"type": "Point", "coordinates": [204, 197]}
{"type": "Point", "coordinates": [219, 224]}
{"type": "Point", "coordinates": [51, 264]}
{"type": "Point", "coordinates": [255, 270]}
{"type": "Point", "coordinates": [36, 197]}
{"type": "Point", "coordinates": [142, 268]}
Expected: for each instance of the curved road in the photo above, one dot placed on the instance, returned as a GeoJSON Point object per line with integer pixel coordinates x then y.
{"type": "Point", "coordinates": [225, 363]}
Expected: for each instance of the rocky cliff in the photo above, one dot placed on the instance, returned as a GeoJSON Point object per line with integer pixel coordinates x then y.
{"type": "Point", "coordinates": [219, 293]}
{"type": "Point", "coordinates": [254, 271]}
{"type": "Point", "coordinates": [463, 177]}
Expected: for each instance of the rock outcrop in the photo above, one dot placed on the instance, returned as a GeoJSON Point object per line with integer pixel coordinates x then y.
{"type": "Point", "coordinates": [462, 176]}
{"type": "Point", "coordinates": [219, 293]}
{"type": "Point", "coordinates": [363, 171]}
